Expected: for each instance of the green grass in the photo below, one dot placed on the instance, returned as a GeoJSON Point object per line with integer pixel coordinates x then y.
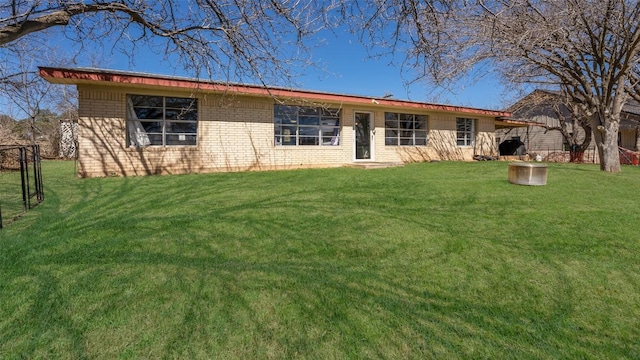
{"type": "Point", "coordinates": [440, 260]}
{"type": "Point", "coordinates": [11, 203]}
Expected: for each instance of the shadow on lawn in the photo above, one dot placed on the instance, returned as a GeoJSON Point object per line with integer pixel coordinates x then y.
{"type": "Point", "coordinates": [105, 288]}
{"type": "Point", "coordinates": [292, 306]}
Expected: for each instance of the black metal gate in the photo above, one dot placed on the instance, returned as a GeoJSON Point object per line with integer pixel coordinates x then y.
{"type": "Point", "coordinates": [25, 160]}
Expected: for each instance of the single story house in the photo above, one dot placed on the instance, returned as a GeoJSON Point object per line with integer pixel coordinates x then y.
{"type": "Point", "coordinates": [136, 124]}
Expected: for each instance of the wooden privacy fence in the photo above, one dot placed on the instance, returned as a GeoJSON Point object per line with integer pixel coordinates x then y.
{"type": "Point", "coordinates": [20, 180]}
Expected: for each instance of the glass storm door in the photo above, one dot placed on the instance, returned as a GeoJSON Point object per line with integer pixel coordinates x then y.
{"type": "Point", "coordinates": [363, 133]}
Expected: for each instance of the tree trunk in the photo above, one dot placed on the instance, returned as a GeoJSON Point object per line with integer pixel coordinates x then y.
{"type": "Point", "coordinates": [576, 153]}
{"type": "Point", "coordinates": [32, 131]}
{"type": "Point", "coordinates": [606, 137]}
{"type": "Point", "coordinates": [637, 144]}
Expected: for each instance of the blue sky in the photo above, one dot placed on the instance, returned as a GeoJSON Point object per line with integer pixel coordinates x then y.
{"type": "Point", "coordinates": [348, 69]}
{"type": "Point", "coordinates": [353, 72]}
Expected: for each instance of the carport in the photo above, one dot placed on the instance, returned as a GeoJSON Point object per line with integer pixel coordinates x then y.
{"type": "Point", "coordinates": [516, 144]}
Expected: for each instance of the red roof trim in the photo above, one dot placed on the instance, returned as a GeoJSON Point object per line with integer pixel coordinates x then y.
{"type": "Point", "coordinates": [79, 76]}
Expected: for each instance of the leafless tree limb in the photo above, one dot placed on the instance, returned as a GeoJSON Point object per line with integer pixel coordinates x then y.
{"type": "Point", "coordinates": [246, 39]}
{"type": "Point", "coordinates": [590, 49]}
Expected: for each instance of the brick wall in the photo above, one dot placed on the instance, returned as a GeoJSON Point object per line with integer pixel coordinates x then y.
{"type": "Point", "coordinates": [235, 133]}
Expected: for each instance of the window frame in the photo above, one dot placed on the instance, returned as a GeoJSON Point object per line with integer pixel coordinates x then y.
{"type": "Point", "coordinates": [167, 116]}
{"type": "Point", "coordinates": [398, 138]}
{"type": "Point", "coordinates": [469, 132]}
{"type": "Point", "coordinates": [305, 126]}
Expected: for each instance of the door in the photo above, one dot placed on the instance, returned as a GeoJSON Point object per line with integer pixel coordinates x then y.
{"type": "Point", "coordinates": [363, 130]}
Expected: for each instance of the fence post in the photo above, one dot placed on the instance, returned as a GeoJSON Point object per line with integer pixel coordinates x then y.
{"type": "Point", "coordinates": [26, 174]}
{"type": "Point", "coordinates": [40, 181]}
{"type": "Point", "coordinates": [23, 167]}
{"type": "Point", "coordinates": [23, 158]}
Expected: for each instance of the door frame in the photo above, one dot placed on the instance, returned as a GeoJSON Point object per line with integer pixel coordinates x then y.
{"type": "Point", "coordinates": [372, 132]}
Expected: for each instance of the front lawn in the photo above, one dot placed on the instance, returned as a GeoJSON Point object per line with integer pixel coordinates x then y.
{"type": "Point", "coordinates": [439, 260]}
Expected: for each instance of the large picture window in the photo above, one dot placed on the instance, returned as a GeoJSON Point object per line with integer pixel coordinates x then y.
{"type": "Point", "coordinates": [161, 121]}
{"type": "Point", "coordinates": [465, 131]}
{"type": "Point", "coordinates": [301, 125]}
{"type": "Point", "coordinates": [405, 129]}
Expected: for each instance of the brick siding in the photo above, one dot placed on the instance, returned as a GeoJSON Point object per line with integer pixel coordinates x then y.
{"type": "Point", "coordinates": [236, 133]}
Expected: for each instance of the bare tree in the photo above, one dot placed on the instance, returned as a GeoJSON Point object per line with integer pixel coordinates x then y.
{"type": "Point", "coordinates": [67, 103]}
{"type": "Point", "coordinates": [33, 101]}
{"type": "Point", "coordinates": [570, 122]}
{"type": "Point", "coordinates": [240, 39]}
{"type": "Point", "coordinates": [7, 134]}
{"type": "Point", "coordinates": [587, 48]}
{"type": "Point", "coordinates": [590, 49]}
{"type": "Point", "coordinates": [570, 119]}
{"type": "Point", "coordinates": [23, 88]}
{"type": "Point", "coordinates": [424, 32]}
{"type": "Point", "coordinates": [566, 115]}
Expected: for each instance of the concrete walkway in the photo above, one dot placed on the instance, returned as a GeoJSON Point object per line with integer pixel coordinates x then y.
{"type": "Point", "coordinates": [374, 165]}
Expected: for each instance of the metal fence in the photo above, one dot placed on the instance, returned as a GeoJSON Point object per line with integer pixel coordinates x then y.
{"type": "Point", "coordinates": [20, 181]}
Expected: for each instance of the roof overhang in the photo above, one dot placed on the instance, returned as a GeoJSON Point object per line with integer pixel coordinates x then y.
{"type": "Point", "coordinates": [506, 123]}
{"type": "Point", "coordinates": [80, 76]}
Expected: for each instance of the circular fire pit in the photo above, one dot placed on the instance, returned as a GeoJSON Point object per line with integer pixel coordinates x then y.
{"type": "Point", "coordinates": [527, 174]}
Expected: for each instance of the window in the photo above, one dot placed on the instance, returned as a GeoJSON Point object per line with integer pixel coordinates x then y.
{"type": "Point", "coordinates": [405, 129]}
{"type": "Point", "coordinates": [465, 131]}
{"type": "Point", "coordinates": [301, 125]}
{"type": "Point", "coordinates": [161, 121]}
